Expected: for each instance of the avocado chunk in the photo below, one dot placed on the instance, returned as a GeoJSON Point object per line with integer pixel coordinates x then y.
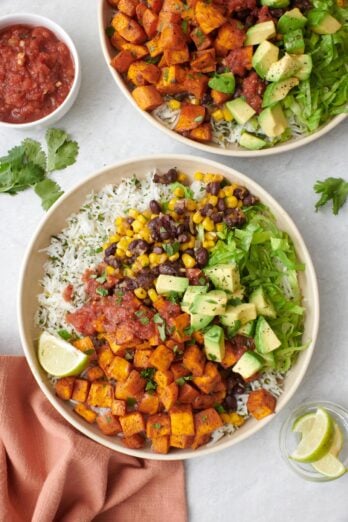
{"type": "Point", "coordinates": [224, 277]}
{"type": "Point", "coordinates": [291, 20]}
{"type": "Point", "coordinates": [265, 339]}
{"type": "Point", "coordinates": [240, 110]}
{"type": "Point", "coordinates": [213, 303]}
{"type": "Point", "coordinates": [262, 303]}
{"type": "Point", "coordinates": [321, 22]}
{"type": "Point", "coordinates": [167, 283]}
{"type": "Point", "coordinates": [190, 294]}
{"type": "Point", "coordinates": [276, 4]}
{"type": "Point", "coordinates": [294, 42]}
{"type": "Point", "coordinates": [266, 54]}
{"type": "Point", "coordinates": [305, 64]}
{"type": "Point", "coordinates": [251, 142]}
{"type": "Point", "coordinates": [260, 32]}
{"type": "Point", "coordinates": [249, 364]}
{"type": "Point", "coordinates": [273, 121]}
{"type": "Point", "coordinates": [282, 69]}
{"type": "Point", "coordinates": [247, 329]}
{"type": "Point", "coordinates": [269, 360]}
{"type": "Point", "coordinates": [278, 91]}
{"type": "Point", "coordinates": [198, 321]}
{"type": "Point", "coordinates": [214, 343]}
{"type": "Point", "coordinates": [243, 313]}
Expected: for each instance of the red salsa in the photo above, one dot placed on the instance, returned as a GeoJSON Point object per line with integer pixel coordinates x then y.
{"type": "Point", "coordinates": [36, 73]}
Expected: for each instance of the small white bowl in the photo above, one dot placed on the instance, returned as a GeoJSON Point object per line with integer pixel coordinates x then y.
{"type": "Point", "coordinates": [41, 21]}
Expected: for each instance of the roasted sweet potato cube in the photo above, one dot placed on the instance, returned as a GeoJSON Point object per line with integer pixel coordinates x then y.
{"type": "Point", "coordinates": [122, 61]}
{"type": "Point", "coordinates": [187, 393]}
{"type": "Point", "coordinates": [119, 369]}
{"type": "Point", "coordinates": [136, 441]}
{"type": "Point", "coordinates": [100, 394]}
{"type": "Point", "coordinates": [150, 21]}
{"type": "Point", "coordinates": [109, 424]}
{"type": "Point", "coordinates": [199, 440]}
{"type": "Point", "coordinates": [94, 373]}
{"type": "Point", "coordinates": [142, 73]}
{"type": "Point", "coordinates": [125, 333]}
{"type": "Point", "coordinates": [149, 404]}
{"type": "Point", "coordinates": [139, 11]}
{"type": "Point", "coordinates": [261, 403]}
{"type": "Point", "coordinates": [64, 388]}
{"type": "Point", "coordinates": [154, 46]}
{"type": "Point", "coordinates": [198, 336]}
{"type": "Point", "coordinates": [116, 348]}
{"type": "Point", "coordinates": [181, 441]}
{"type": "Point", "coordinates": [203, 133]}
{"type": "Point", "coordinates": [181, 322]}
{"type": "Point", "coordinates": [118, 407]}
{"type": "Point", "coordinates": [208, 16]}
{"type": "Point", "coordinates": [80, 393]}
{"type": "Point", "coordinates": [171, 80]}
{"type": "Point", "coordinates": [181, 420]}
{"type": "Point", "coordinates": [113, 3]}
{"type": "Point", "coordinates": [105, 357]}
{"type": "Point", "coordinates": [194, 360]}
{"type": "Point", "coordinates": [196, 84]}
{"type": "Point", "coordinates": [203, 401]}
{"type": "Point", "coordinates": [158, 425]}
{"type": "Point", "coordinates": [204, 61]}
{"type": "Point", "coordinates": [209, 380]}
{"type": "Point", "coordinates": [230, 36]}
{"type": "Point", "coordinates": [84, 344]}
{"type": "Point", "coordinates": [127, 7]}
{"type": "Point", "coordinates": [128, 28]}
{"type": "Point", "coordinates": [117, 41]}
{"type": "Point", "coordinates": [162, 379]}
{"type": "Point", "coordinates": [132, 423]}
{"type": "Point", "coordinates": [202, 41]}
{"type": "Point", "coordinates": [179, 370]}
{"type": "Point", "coordinates": [191, 116]}
{"type": "Point", "coordinates": [166, 18]}
{"type": "Point", "coordinates": [135, 384]}
{"type": "Point", "coordinates": [173, 6]}
{"type": "Point", "coordinates": [85, 412]}
{"type": "Point", "coordinates": [172, 37]}
{"type": "Point", "coordinates": [155, 5]}
{"type": "Point", "coordinates": [219, 97]}
{"type": "Point", "coordinates": [168, 395]}
{"type": "Point", "coordinates": [176, 56]}
{"type": "Point", "coordinates": [207, 421]}
{"type": "Point", "coordinates": [137, 51]}
{"type": "Point", "coordinates": [161, 358]}
{"type": "Point", "coordinates": [141, 358]}
{"type": "Point", "coordinates": [160, 444]}
{"type": "Point", "coordinates": [147, 97]}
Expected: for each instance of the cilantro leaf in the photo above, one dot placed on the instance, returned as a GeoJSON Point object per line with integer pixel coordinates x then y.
{"type": "Point", "coordinates": [61, 150]}
{"type": "Point", "coordinates": [335, 189]}
{"type": "Point", "coordinates": [49, 191]}
{"type": "Point", "coordinates": [34, 153]}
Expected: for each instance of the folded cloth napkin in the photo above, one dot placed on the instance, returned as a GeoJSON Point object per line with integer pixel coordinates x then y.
{"type": "Point", "coordinates": [51, 472]}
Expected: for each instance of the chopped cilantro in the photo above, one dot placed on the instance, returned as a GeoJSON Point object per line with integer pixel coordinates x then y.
{"type": "Point", "coordinates": [148, 373]}
{"type": "Point", "coordinates": [129, 355]}
{"type": "Point", "coordinates": [89, 352]}
{"type": "Point", "coordinates": [219, 408]}
{"type": "Point", "coordinates": [49, 191]}
{"type": "Point", "coordinates": [199, 119]}
{"type": "Point", "coordinates": [150, 386]}
{"type": "Point", "coordinates": [102, 291]}
{"type": "Point", "coordinates": [212, 357]}
{"type": "Point", "coordinates": [109, 31]}
{"type": "Point", "coordinates": [204, 418]}
{"type": "Point", "coordinates": [181, 380]}
{"type": "Point", "coordinates": [157, 426]}
{"type": "Point", "coordinates": [64, 334]}
{"type": "Point", "coordinates": [131, 402]}
{"type": "Point", "coordinates": [171, 248]}
{"type": "Point", "coordinates": [62, 151]}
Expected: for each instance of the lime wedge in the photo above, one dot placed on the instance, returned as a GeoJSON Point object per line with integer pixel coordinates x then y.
{"type": "Point", "coordinates": [329, 466]}
{"type": "Point", "coordinates": [304, 423]}
{"type": "Point", "coordinates": [60, 358]}
{"type": "Point", "coordinates": [317, 441]}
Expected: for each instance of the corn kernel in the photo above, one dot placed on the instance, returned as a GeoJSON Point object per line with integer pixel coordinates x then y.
{"type": "Point", "coordinates": [162, 258]}
{"type": "Point", "coordinates": [228, 116]}
{"type": "Point", "coordinates": [174, 215]}
{"type": "Point", "coordinates": [172, 203]}
{"type": "Point", "coordinates": [174, 105]}
{"type": "Point", "coordinates": [182, 177]}
{"type": "Point", "coordinates": [152, 258]}
{"type": "Point", "coordinates": [194, 101]}
{"type": "Point", "coordinates": [213, 200]}
{"type": "Point", "coordinates": [110, 270]}
{"type": "Point", "coordinates": [114, 239]}
{"type": "Point", "coordinates": [208, 244]}
{"type": "Point", "coordinates": [198, 176]}
{"type": "Point", "coordinates": [174, 257]}
{"type": "Point", "coordinates": [191, 205]}
{"type": "Point", "coordinates": [128, 271]}
{"type": "Point", "coordinates": [188, 261]}
{"type": "Point", "coordinates": [129, 233]}
{"type": "Point", "coordinates": [132, 212]}
{"type": "Point", "coordinates": [123, 243]}
{"type": "Point", "coordinates": [140, 293]}
{"type": "Point", "coordinates": [231, 202]}
{"type": "Point", "coordinates": [222, 193]}
{"type": "Point", "coordinates": [220, 227]}
{"type": "Point", "coordinates": [197, 218]}
{"type": "Point", "coordinates": [179, 192]}
{"type": "Point", "coordinates": [152, 295]}
{"type": "Point", "coordinates": [137, 226]}
{"type": "Point", "coordinates": [146, 234]}
{"type": "Point", "coordinates": [208, 224]}
{"type": "Point", "coordinates": [119, 221]}
{"type": "Point", "coordinates": [217, 115]}
{"type": "Point", "coordinates": [232, 418]}
{"type": "Point", "coordinates": [128, 253]}
{"type": "Point", "coordinates": [210, 236]}
{"type": "Point", "coordinates": [143, 260]}
{"type": "Point", "coordinates": [228, 190]}
{"type": "Point", "coordinates": [147, 214]}
{"type": "Point", "coordinates": [141, 219]}
{"type": "Point", "coordinates": [188, 244]}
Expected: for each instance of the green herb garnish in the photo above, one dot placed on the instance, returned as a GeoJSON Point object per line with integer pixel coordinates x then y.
{"type": "Point", "coordinates": [181, 380]}
{"type": "Point", "coordinates": [102, 291]}
{"type": "Point", "coordinates": [334, 189]}
{"type": "Point", "coordinates": [64, 334]}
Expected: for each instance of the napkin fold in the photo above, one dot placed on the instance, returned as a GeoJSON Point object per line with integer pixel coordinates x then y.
{"type": "Point", "coordinates": [51, 472]}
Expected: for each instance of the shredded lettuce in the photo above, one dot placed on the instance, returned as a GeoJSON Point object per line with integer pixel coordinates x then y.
{"type": "Point", "coordinates": [266, 257]}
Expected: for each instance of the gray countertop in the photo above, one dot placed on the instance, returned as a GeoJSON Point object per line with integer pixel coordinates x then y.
{"type": "Point", "coordinates": [249, 481]}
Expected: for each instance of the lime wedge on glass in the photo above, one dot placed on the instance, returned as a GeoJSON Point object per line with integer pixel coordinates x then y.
{"type": "Point", "coordinates": [304, 423]}
{"type": "Point", "coordinates": [316, 442]}
{"type": "Point", "coordinates": [60, 358]}
{"type": "Point", "coordinates": [329, 466]}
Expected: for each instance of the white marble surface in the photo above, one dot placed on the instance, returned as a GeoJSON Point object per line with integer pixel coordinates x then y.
{"type": "Point", "coordinates": [248, 482]}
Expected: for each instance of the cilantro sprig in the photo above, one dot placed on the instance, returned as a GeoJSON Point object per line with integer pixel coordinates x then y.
{"type": "Point", "coordinates": [334, 189]}
{"type": "Point", "coordinates": [27, 166]}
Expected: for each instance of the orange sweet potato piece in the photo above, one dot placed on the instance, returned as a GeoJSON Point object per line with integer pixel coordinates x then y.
{"type": "Point", "coordinates": [137, 51]}
{"type": "Point", "coordinates": [187, 393]}
{"type": "Point", "coordinates": [149, 404]}
{"type": "Point", "coordinates": [169, 395]}
{"type": "Point", "coordinates": [172, 37]}
{"type": "Point", "coordinates": [261, 403]}
{"type": "Point", "coordinates": [165, 18]}
{"type": "Point", "coordinates": [139, 11]}
{"type": "Point", "coordinates": [219, 97]}
{"type": "Point", "coordinates": [171, 81]}
{"type": "Point", "coordinates": [80, 392]}
{"type": "Point", "coordinates": [155, 5]}
{"type": "Point", "coordinates": [204, 61]}
{"type": "Point", "coordinates": [147, 97]}
{"type": "Point", "coordinates": [116, 348]}
{"type": "Point", "coordinates": [113, 3]}
{"type": "Point", "coordinates": [100, 394]}
{"type": "Point", "coordinates": [173, 6]}
{"type": "Point", "coordinates": [135, 384]}
{"type": "Point", "coordinates": [202, 41]}
{"type": "Point", "coordinates": [158, 425]}
{"type": "Point", "coordinates": [199, 440]}
{"type": "Point", "coordinates": [85, 412]}
{"type": "Point", "coordinates": [127, 7]}
{"type": "Point", "coordinates": [136, 441]}
{"type": "Point", "coordinates": [109, 424]}
{"type": "Point", "coordinates": [209, 380]}
{"type": "Point", "coordinates": [64, 388]}
{"type": "Point", "coordinates": [191, 116]}
{"type": "Point", "coordinates": [118, 407]}
{"type": "Point", "coordinates": [232, 354]}
{"type": "Point", "coordinates": [207, 421]}
{"type": "Point", "coordinates": [182, 321]}
{"type": "Point", "coordinates": [208, 16]}
{"type": "Point", "coordinates": [132, 423]}
{"type": "Point", "coordinates": [181, 441]}
{"type": "Point", "coordinates": [128, 28]}
{"type": "Point", "coordinates": [179, 370]}
{"type": "Point", "coordinates": [181, 420]}
{"type": "Point", "coordinates": [117, 41]}
{"type": "Point", "coordinates": [203, 133]}
{"type": "Point", "coordinates": [94, 373]}
{"type": "Point", "coordinates": [141, 358]}
{"type": "Point", "coordinates": [198, 336]}
{"type": "Point", "coordinates": [142, 73]}
{"type": "Point", "coordinates": [122, 61]}
{"type": "Point", "coordinates": [203, 401]}
{"type": "Point", "coordinates": [84, 344]}
{"type": "Point", "coordinates": [124, 333]}
{"type": "Point", "coordinates": [150, 21]}
{"type": "Point", "coordinates": [119, 369]}
{"type": "Point", "coordinates": [163, 378]}
{"type": "Point", "coordinates": [161, 358]}
{"type": "Point", "coordinates": [160, 444]}
{"type": "Point", "coordinates": [230, 36]}
{"type": "Point", "coordinates": [176, 56]}
{"type": "Point", "coordinates": [154, 46]}
{"type": "Point", "coordinates": [196, 84]}
{"type": "Point", "coordinates": [194, 360]}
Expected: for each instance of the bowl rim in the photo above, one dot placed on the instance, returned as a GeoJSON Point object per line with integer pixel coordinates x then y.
{"type": "Point", "coordinates": [310, 272]}
{"type": "Point", "coordinates": [62, 35]}
{"type": "Point", "coordinates": [242, 153]}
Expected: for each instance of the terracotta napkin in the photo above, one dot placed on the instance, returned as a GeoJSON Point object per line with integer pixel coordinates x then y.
{"type": "Point", "coordinates": [51, 472]}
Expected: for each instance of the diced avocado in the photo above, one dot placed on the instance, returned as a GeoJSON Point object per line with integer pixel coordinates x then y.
{"type": "Point", "coordinates": [247, 329]}
{"type": "Point", "coordinates": [198, 321]}
{"type": "Point", "coordinates": [214, 343]}
{"type": "Point", "coordinates": [213, 303]}
{"type": "Point", "coordinates": [291, 20]}
{"type": "Point", "coordinates": [277, 91]}
{"type": "Point", "coordinates": [305, 64]}
{"type": "Point", "coordinates": [190, 294]}
{"type": "Point", "coordinates": [168, 283]}
{"type": "Point", "coordinates": [321, 22]}
{"type": "Point", "coordinates": [282, 69]}
{"type": "Point", "coordinates": [249, 364]}
{"type": "Point", "coordinates": [224, 277]}
{"type": "Point", "coordinates": [260, 32]}
{"type": "Point", "coordinates": [251, 142]}
{"type": "Point", "coordinates": [243, 313]}
{"type": "Point", "coordinates": [269, 360]}
{"type": "Point", "coordinates": [273, 121]}
{"type": "Point", "coordinates": [238, 293]}
{"type": "Point", "coordinates": [266, 54]}
{"type": "Point", "coordinates": [276, 4]}
{"type": "Point", "coordinates": [240, 110]}
{"type": "Point", "coordinates": [294, 42]}
{"type": "Point", "coordinates": [265, 339]}
{"type": "Point", "coordinates": [262, 303]}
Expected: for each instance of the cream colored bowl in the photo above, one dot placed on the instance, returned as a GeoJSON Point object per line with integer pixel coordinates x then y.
{"type": "Point", "coordinates": [55, 221]}
{"type": "Point", "coordinates": [105, 15]}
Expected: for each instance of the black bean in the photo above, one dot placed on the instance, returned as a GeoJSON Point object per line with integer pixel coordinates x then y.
{"type": "Point", "coordinates": [183, 238]}
{"type": "Point", "coordinates": [180, 207]}
{"type": "Point", "coordinates": [213, 188]}
{"type": "Point", "coordinates": [250, 200]}
{"type": "Point", "coordinates": [236, 218]}
{"type": "Point", "coordinates": [155, 207]}
{"type": "Point", "coordinates": [201, 256]}
{"type": "Point", "coordinates": [165, 179]}
{"type": "Point", "coordinates": [146, 277]}
{"type": "Point", "coordinates": [207, 210]}
{"type": "Point", "coordinates": [110, 251]}
{"type": "Point", "coordinates": [157, 250]}
{"type": "Point", "coordinates": [230, 403]}
{"type": "Point", "coordinates": [240, 192]}
{"type": "Point", "coordinates": [277, 13]}
{"type": "Point", "coordinates": [138, 246]}
{"type": "Point", "coordinates": [127, 284]}
{"type": "Point", "coordinates": [180, 229]}
{"type": "Point", "coordinates": [217, 217]}
{"type": "Point", "coordinates": [112, 261]}
{"type": "Point", "coordinates": [207, 99]}
{"type": "Point", "coordinates": [169, 268]}
{"type": "Point", "coordinates": [190, 251]}
{"type": "Point", "coordinates": [221, 205]}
